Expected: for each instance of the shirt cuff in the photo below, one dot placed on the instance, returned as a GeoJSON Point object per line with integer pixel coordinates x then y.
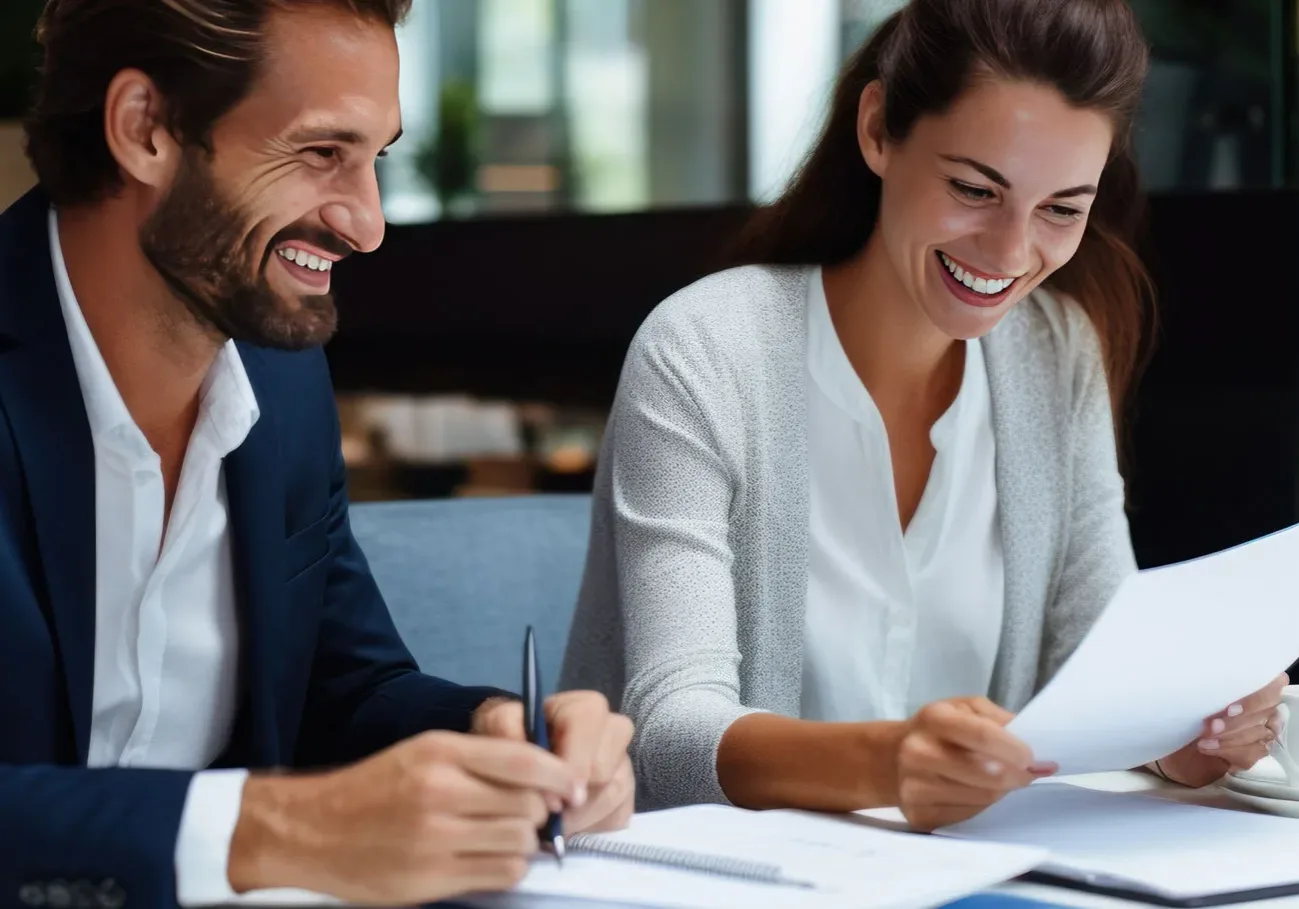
{"type": "Point", "coordinates": [207, 825]}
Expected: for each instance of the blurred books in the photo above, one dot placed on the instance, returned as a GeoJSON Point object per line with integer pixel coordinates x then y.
{"type": "Point", "coordinates": [433, 446]}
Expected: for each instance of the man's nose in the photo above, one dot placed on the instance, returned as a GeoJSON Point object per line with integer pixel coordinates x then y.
{"type": "Point", "coordinates": [358, 219]}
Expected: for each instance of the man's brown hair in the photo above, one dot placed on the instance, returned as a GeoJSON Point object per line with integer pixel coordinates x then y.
{"type": "Point", "coordinates": [202, 54]}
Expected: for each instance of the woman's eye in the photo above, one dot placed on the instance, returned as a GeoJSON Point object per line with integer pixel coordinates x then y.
{"type": "Point", "coordinates": [1064, 212]}
{"type": "Point", "coordinates": [976, 193]}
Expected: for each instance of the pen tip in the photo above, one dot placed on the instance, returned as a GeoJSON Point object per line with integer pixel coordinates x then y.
{"type": "Point", "coordinates": [559, 850]}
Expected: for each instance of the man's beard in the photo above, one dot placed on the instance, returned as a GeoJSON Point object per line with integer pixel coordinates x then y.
{"type": "Point", "coordinates": [200, 243]}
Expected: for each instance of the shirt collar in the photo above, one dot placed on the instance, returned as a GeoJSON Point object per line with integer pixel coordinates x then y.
{"type": "Point", "coordinates": [834, 375]}
{"type": "Point", "coordinates": [229, 405]}
{"type": "Point", "coordinates": [227, 401]}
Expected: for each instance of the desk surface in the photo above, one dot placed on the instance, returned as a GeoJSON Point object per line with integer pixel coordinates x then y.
{"type": "Point", "coordinates": [1061, 896]}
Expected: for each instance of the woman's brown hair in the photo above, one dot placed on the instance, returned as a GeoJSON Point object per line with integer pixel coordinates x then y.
{"type": "Point", "coordinates": [925, 56]}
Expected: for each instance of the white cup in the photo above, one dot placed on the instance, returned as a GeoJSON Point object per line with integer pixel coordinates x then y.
{"type": "Point", "coordinates": [1285, 750]}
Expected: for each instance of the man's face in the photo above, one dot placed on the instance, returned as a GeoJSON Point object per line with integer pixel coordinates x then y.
{"type": "Point", "coordinates": [247, 236]}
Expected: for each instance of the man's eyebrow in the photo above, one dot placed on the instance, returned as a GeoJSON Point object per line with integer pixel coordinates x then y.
{"type": "Point", "coordinates": [308, 134]}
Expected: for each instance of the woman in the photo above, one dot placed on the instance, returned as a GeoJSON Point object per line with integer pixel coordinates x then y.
{"type": "Point", "coordinates": [858, 494]}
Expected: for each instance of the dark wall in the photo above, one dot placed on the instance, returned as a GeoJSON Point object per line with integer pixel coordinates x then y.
{"type": "Point", "coordinates": [535, 308]}
{"type": "Point", "coordinates": [545, 308]}
{"type": "Point", "coordinates": [1215, 454]}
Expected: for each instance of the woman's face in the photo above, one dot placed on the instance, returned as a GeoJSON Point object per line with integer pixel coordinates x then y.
{"type": "Point", "coordinates": [982, 203]}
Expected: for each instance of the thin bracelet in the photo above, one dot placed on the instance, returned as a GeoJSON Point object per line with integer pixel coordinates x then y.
{"type": "Point", "coordinates": [1162, 775]}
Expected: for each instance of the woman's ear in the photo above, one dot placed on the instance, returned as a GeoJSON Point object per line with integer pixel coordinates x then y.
{"type": "Point", "coordinates": [136, 130]}
{"type": "Point", "coordinates": [872, 136]}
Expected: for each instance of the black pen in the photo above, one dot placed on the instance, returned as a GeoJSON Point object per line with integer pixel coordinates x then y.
{"type": "Point", "coordinates": [534, 724]}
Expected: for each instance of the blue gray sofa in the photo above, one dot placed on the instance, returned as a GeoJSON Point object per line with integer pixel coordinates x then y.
{"type": "Point", "coordinates": [464, 578]}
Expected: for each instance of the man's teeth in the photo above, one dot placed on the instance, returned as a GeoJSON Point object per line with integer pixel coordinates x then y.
{"type": "Point", "coordinates": [979, 285]}
{"type": "Point", "coordinates": [305, 259]}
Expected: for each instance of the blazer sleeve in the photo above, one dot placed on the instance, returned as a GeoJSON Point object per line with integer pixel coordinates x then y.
{"type": "Point", "coordinates": [1098, 554]}
{"type": "Point", "coordinates": [104, 838]}
{"type": "Point", "coordinates": [671, 488]}
{"type": "Point", "coordinates": [366, 691]}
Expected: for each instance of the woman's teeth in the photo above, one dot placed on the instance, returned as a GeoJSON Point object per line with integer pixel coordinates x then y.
{"type": "Point", "coordinates": [979, 285]}
{"type": "Point", "coordinates": [305, 259]}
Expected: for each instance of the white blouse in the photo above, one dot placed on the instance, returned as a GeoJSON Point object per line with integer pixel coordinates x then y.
{"type": "Point", "coordinates": [896, 620]}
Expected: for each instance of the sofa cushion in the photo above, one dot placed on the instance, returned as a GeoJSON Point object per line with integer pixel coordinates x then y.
{"type": "Point", "coordinates": [463, 578]}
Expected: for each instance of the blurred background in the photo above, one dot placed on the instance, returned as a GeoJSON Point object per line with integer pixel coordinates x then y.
{"type": "Point", "coordinates": [567, 164]}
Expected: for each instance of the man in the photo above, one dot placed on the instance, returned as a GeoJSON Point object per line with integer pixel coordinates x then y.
{"type": "Point", "coordinates": [182, 595]}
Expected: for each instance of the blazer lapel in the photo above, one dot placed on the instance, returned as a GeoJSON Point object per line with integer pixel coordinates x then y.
{"type": "Point", "coordinates": [1028, 433]}
{"type": "Point", "coordinates": [41, 396]}
{"type": "Point", "coordinates": [255, 491]}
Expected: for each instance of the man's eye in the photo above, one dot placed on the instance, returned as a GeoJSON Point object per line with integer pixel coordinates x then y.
{"type": "Point", "coordinates": [324, 152]}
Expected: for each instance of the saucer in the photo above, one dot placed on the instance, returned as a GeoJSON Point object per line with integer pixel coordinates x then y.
{"type": "Point", "coordinates": [1264, 786]}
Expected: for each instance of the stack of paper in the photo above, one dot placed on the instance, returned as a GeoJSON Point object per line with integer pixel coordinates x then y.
{"type": "Point", "coordinates": [1175, 646]}
{"type": "Point", "coordinates": [1166, 851]}
{"type": "Point", "coordinates": [849, 862]}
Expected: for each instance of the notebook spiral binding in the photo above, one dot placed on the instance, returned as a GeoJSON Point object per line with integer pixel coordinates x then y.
{"type": "Point", "coordinates": [723, 866]}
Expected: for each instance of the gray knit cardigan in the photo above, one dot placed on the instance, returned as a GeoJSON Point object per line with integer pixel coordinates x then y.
{"type": "Point", "coordinates": [692, 604]}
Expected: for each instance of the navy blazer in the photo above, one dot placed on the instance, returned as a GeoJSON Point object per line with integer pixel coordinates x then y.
{"type": "Point", "coordinates": [324, 677]}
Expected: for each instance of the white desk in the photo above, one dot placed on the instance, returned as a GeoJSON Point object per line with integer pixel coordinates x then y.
{"type": "Point", "coordinates": [1063, 896]}
{"type": "Point", "coordinates": [1145, 783]}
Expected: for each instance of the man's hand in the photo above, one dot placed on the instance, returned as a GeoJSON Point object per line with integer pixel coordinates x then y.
{"type": "Point", "coordinates": [592, 741]}
{"type": "Point", "coordinates": [434, 817]}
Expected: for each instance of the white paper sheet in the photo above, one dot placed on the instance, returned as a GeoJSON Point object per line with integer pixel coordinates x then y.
{"type": "Point", "coordinates": [851, 863]}
{"type": "Point", "coordinates": [1139, 842]}
{"type": "Point", "coordinates": [1175, 646]}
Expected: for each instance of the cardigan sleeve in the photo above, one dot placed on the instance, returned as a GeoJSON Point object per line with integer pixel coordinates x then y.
{"type": "Point", "coordinates": [1098, 553]}
{"type": "Point", "coordinates": [672, 487]}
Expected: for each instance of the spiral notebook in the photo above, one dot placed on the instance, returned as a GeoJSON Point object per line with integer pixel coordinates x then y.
{"type": "Point", "coordinates": [713, 856]}
{"type": "Point", "coordinates": [740, 869]}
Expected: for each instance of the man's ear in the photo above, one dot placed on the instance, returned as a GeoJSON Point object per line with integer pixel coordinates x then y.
{"type": "Point", "coordinates": [135, 126]}
{"type": "Point", "coordinates": [872, 135]}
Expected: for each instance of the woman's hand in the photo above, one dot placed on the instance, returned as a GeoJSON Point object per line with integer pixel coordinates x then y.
{"type": "Point", "coordinates": [1235, 739]}
{"type": "Point", "coordinates": [955, 758]}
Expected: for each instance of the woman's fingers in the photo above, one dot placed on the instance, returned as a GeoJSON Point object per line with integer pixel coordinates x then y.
{"type": "Point", "coordinates": [1261, 732]}
{"type": "Point", "coordinates": [975, 732]}
{"type": "Point", "coordinates": [931, 758]}
{"type": "Point", "coordinates": [1264, 700]}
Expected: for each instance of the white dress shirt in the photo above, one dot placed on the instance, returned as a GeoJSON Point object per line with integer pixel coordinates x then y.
{"type": "Point", "coordinates": [166, 636]}
{"type": "Point", "coordinates": [896, 620]}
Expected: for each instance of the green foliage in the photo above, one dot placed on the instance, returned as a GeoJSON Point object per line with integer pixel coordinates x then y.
{"type": "Point", "coordinates": [449, 161]}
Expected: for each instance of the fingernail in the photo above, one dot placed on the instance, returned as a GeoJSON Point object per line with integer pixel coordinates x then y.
{"type": "Point", "coordinates": [1043, 768]}
{"type": "Point", "coordinates": [1208, 744]}
{"type": "Point", "coordinates": [994, 768]}
{"type": "Point", "coordinates": [1235, 710]}
{"type": "Point", "coordinates": [579, 795]}
{"type": "Point", "coordinates": [554, 803]}
{"type": "Point", "coordinates": [1217, 727]}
